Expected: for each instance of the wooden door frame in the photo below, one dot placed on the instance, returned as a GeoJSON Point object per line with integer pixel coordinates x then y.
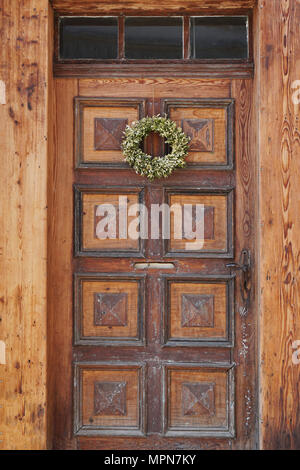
{"type": "Point", "coordinates": [27, 134]}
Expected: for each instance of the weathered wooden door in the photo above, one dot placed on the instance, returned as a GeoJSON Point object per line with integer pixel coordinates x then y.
{"type": "Point", "coordinates": [153, 340]}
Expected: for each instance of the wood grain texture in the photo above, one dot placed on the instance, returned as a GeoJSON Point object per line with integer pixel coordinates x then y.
{"type": "Point", "coordinates": [245, 352]}
{"type": "Point", "coordinates": [51, 136]}
{"type": "Point", "coordinates": [180, 70]}
{"type": "Point", "coordinates": [106, 6]}
{"type": "Point", "coordinates": [279, 147]}
{"type": "Point", "coordinates": [156, 443]}
{"type": "Point", "coordinates": [156, 87]}
{"type": "Point", "coordinates": [23, 237]}
{"type": "Point", "coordinates": [60, 210]}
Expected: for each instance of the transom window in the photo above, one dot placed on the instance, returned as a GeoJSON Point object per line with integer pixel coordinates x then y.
{"type": "Point", "coordinates": [158, 38]}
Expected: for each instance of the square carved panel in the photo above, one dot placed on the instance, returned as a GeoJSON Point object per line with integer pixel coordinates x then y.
{"type": "Point", "coordinates": [199, 400]}
{"type": "Point", "coordinates": [109, 399]}
{"type": "Point", "coordinates": [201, 225]}
{"type": "Point", "coordinates": [109, 309]}
{"type": "Point", "coordinates": [99, 127]}
{"type": "Point", "coordinates": [101, 228]}
{"type": "Point", "coordinates": [209, 124]}
{"type": "Point", "coordinates": [201, 133]}
{"type": "Point", "coordinates": [109, 133]}
{"type": "Point", "coordinates": [198, 311]}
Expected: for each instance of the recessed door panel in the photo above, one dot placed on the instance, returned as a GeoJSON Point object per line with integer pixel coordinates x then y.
{"type": "Point", "coordinates": [198, 311]}
{"type": "Point", "coordinates": [197, 400]}
{"type": "Point", "coordinates": [109, 309]}
{"type": "Point", "coordinates": [209, 125]}
{"type": "Point", "coordinates": [206, 223]}
{"type": "Point", "coordinates": [109, 399]}
{"type": "Point", "coordinates": [100, 124]}
{"type": "Point", "coordinates": [100, 227]}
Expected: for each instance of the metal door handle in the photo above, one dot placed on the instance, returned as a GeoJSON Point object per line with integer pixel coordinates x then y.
{"type": "Point", "coordinates": [245, 266]}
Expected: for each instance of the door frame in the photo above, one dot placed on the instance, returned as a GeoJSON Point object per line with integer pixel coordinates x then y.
{"type": "Point", "coordinates": [24, 253]}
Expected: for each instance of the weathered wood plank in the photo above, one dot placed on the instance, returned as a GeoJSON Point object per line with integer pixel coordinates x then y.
{"type": "Point", "coordinates": [279, 149]}
{"type": "Point", "coordinates": [246, 223]}
{"type": "Point", "coordinates": [23, 212]}
{"type": "Point", "coordinates": [131, 6]}
{"type": "Point", "coordinates": [183, 70]}
{"type": "Point", "coordinates": [158, 443]}
{"type": "Point", "coordinates": [60, 209]}
{"type": "Point", "coordinates": [166, 87]}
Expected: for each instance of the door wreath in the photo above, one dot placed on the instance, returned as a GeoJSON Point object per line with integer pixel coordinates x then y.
{"type": "Point", "coordinates": [146, 165]}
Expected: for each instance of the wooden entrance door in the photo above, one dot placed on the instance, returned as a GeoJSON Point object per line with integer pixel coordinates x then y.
{"type": "Point", "coordinates": [152, 340]}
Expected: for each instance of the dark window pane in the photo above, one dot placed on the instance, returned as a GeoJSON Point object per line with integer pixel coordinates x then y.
{"type": "Point", "coordinates": [88, 38]}
{"type": "Point", "coordinates": [219, 37]}
{"type": "Point", "coordinates": [153, 38]}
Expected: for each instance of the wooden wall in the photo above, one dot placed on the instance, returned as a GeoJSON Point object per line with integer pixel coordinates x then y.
{"type": "Point", "coordinates": [23, 215]}
{"type": "Point", "coordinates": [23, 242]}
{"type": "Point", "coordinates": [279, 196]}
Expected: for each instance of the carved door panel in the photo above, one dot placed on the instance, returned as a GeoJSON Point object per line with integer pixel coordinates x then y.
{"type": "Point", "coordinates": [155, 338]}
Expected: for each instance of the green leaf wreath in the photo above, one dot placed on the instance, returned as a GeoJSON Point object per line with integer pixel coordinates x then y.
{"type": "Point", "coordinates": [146, 165]}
